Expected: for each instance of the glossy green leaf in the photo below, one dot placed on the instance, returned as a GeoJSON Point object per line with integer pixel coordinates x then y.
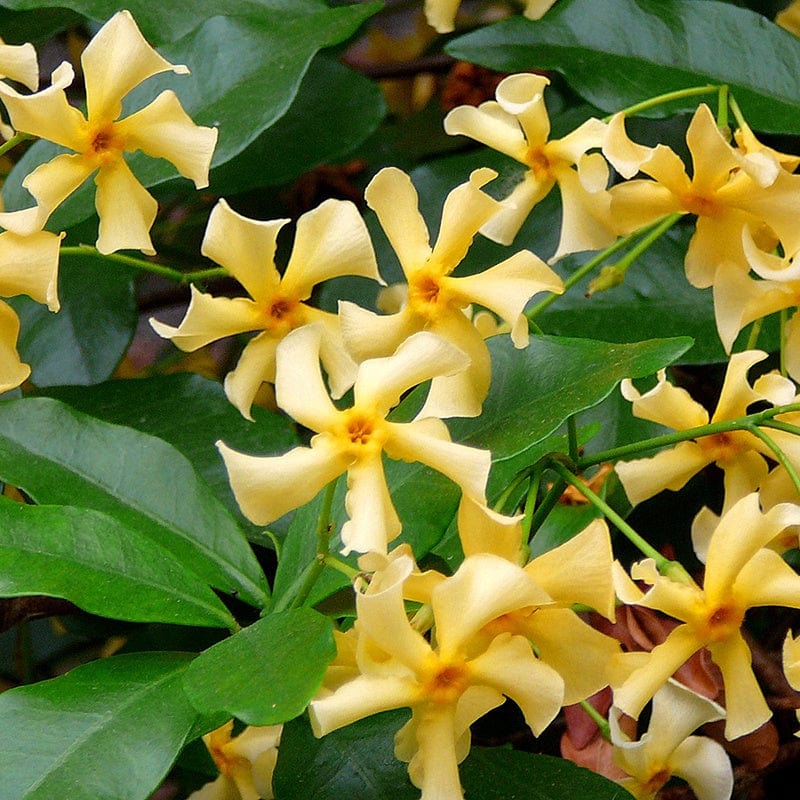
{"type": "Point", "coordinates": [615, 53]}
{"type": "Point", "coordinates": [191, 413]}
{"type": "Point", "coordinates": [535, 390]}
{"type": "Point", "coordinates": [358, 762]}
{"type": "Point", "coordinates": [18, 27]}
{"type": "Point", "coordinates": [59, 456]}
{"type": "Point", "coordinates": [108, 730]}
{"type": "Point", "coordinates": [316, 129]}
{"type": "Point", "coordinates": [83, 343]}
{"type": "Point", "coordinates": [267, 672]}
{"type": "Point", "coordinates": [102, 566]}
{"type": "Point", "coordinates": [246, 70]}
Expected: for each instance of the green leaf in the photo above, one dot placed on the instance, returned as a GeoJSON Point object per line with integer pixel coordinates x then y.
{"type": "Point", "coordinates": [316, 129]}
{"type": "Point", "coordinates": [18, 27]}
{"type": "Point", "coordinates": [102, 566]}
{"type": "Point", "coordinates": [83, 343]}
{"type": "Point", "coordinates": [191, 413]}
{"type": "Point", "coordinates": [358, 762]}
{"type": "Point", "coordinates": [535, 390]}
{"type": "Point", "coordinates": [59, 456]}
{"type": "Point", "coordinates": [266, 673]}
{"type": "Point", "coordinates": [246, 71]}
{"type": "Point", "coordinates": [615, 53]}
{"type": "Point", "coordinates": [108, 730]}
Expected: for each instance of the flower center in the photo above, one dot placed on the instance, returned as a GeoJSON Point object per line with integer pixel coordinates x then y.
{"type": "Point", "coordinates": [540, 164]}
{"type": "Point", "coordinates": [446, 682]}
{"type": "Point", "coordinates": [656, 781]}
{"type": "Point", "coordinates": [700, 206]}
{"type": "Point", "coordinates": [427, 294]}
{"type": "Point", "coordinates": [105, 144]}
{"type": "Point", "coordinates": [721, 621]}
{"type": "Point", "coordinates": [282, 315]}
{"type": "Point", "coordinates": [225, 763]}
{"type": "Point", "coordinates": [362, 434]}
{"type": "Point", "coordinates": [723, 447]}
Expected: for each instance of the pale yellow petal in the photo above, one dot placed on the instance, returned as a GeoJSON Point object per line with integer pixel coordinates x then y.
{"type": "Point", "coordinates": [712, 157]}
{"type": "Point", "coordinates": [743, 474]}
{"type": "Point", "coordinates": [466, 209]}
{"type": "Point", "coordinates": [126, 210]}
{"type": "Point", "coordinates": [624, 154]}
{"type": "Point", "coordinates": [703, 526]}
{"type": "Point", "coordinates": [267, 487]}
{"type": "Point", "coordinates": [536, 9]}
{"type": "Point", "coordinates": [676, 598]}
{"type": "Point", "coordinates": [245, 247]}
{"type": "Point", "coordinates": [223, 788]}
{"type": "Point", "coordinates": [331, 240]}
{"type": "Point", "coordinates": [29, 265]}
{"type": "Point", "coordinates": [665, 404]}
{"type": "Point", "coordinates": [52, 182]}
{"type": "Point", "coordinates": [368, 335]}
{"type": "Point", "coordinates": [382, 381]}
{"type": "Point", "coordinates": [510, 667]}
{"type": "Point", "coordinates": [482, 530]}
{"type": "Point", "coordinates": [766, 265]}
{"type": "Point", "coordinates": [48, 114]}
{"type": "Point", "coordinates": [392, 196]}
{"type": "Point", "coordinates": [507, 287]}
{"type": "Point", "coordinates": [256, 366]}
{"type": "Point", "coordinates": [436, 763]}
{"type": "Point", "coordinates": [736, 394]}
{"type": "Point", "coordinates": [26, 221]}
{"type": "Point", "coordinates": [514, 209]}
{"type": "Point", "coordinates": [339, 366]}
{"type": "Point", "coordinates": [208, 319]}
{"type": "Point", "coordinates": [18, 62]}
{"type": "Point", "coordinates": [115, 60]}
{"type": "Point", "coordinates": [299, 387]}
{"type": "Point", "coordinates": [791, 660]}
{"type": "Point", "coordinates": [792, 351]}
{"type": "Point", "coordinates": [717, 243]}
{"type": "Point", "coordinates": [522, 96]}
{"type": "Point", "coordinates": [705, 766]}
{"type": "Point", "coordinates": [491, 125]}
{"type": "Point", "coordinates": [767, 580]}
{"type": "Point", "coordinates": [665, 167]}
{"type": "Point", "coordinates": [744, 700]}
{"type": "Point", "coordinates": [441, 14]}
{"type": "Point", "coordinates": [422, 441]}
{"type": "Point", "coordinates": [12, 371]}
{"type": "Point", "coordinates": [573, 147]}
{"type": "Point", "coordinates": [163, 129]}
{"type": "Point", "coordinates": [640, 202]}
{"type": "Point", "coordinates": [373, 520]}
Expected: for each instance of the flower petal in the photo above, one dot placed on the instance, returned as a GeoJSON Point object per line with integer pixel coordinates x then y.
{"type": "Point", "coordinates": [331, 240]}
{"type": "Point", "coordinates": [12, 371]}
{"type": "Point", "coordinates": [441, 14]}
{"type": "Point", "coordinates": [339, 366]}
{"type": "Point", "coordinates": [491, 125]}
{"type": "Point", "coordinates": [514, 210]}
{"type": "Point", "coordinates": [481, 530]}
{"type": "Point", "coordinates": [126, 210]}
{"type": "Point", "coordinates": [163, 129]}
{"type": "Point", "coordinates": [369, 335]}
{"type": "Point", "coordinates": [625, 155]}
{"type": "Point", "coordinates": [705, 766]}
{"type": "Point", "coordinates": [29, 265]}
{"type": "Point", "coordinates": [18, 62]}
{"type": "Point", "coordinates": [736, 394]}
{"type": "Point", "coordinates": [115, 60]}
{"type": "Point", "coordinates": [522, 96]}
{"type": "Point", "coordinates": [256, 366]}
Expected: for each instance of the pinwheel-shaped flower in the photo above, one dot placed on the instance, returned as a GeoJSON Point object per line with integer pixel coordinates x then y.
{"type": "Point", "coordinates": [668, 749]}
{"type": "Point", "coordinates": [741, 573]}
{"type": "Point", "coordinates": [354, 440]}
{"type": "Point", "coordinates": [28, 265]}
{"type": "Point", "coordinates": [245, 762]}
{"type": "Point", "coordinates": [448, 686]}
{"type": "Point", "coordinates": [441, 14]}
{"type": "Point", "coordinates": [435, 299]}
{"type": "Point", "coordinates": [330, 241]}
{"type": "Point", "coordinates": [114, 62]}
{"type": "Point", "coordinates": [517, 124]}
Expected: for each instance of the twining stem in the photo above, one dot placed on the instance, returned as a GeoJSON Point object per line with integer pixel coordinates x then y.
{"type": "Point", "coordinates": [665, 98]}
{"type": "Point", "coordinates": [722, 107]}
{"type": "Point", "coordinates": [664, 565]}
{"type": "Point", "coordinates": [656, 442]}
{"type": "Point", "coordinates": [737, 112]}
{"type": "Point", "coordinates": [530, 501]}
{"type": "Point", "coordinates": [544, 508]}
{"type": "Point", "coordinates": [598, 719]}
{"type": "Point", "coordinates": [780, 456]}
{"type": "Point", "coordinates": [784, 319]}
{"type": "Point", "coordinates": [13, 142]}
{"type": "Point", "coordinates": [148, 266]}
{"type": "Point", "coordinates": [572, 433]}
{"type": "Point", "coordinates": [341, 566]}
{"type": "Point", "coordinates": [755, 332]}
{"type": "Point", "coordinates": [512, 487]}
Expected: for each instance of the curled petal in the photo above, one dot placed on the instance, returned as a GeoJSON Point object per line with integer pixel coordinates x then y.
{"type": "Point", "coordinates": [791, 660]}
{"type": "Point", "coordinates": [126, 210]}
{"type": "Point", "coordinates": [331, 240]}
{"type": "Point", "coordinates": [368, 335]}
{"type": "Point", "coordinates": [256, 365]}
{"type": "Point", "coordinates": [441, 14]}
{"type": "Point", "coordinates": [392, 196]}
{"type": "Point", "coordinates": [424, 441]}
{"type": "Point", "coordinates": [435, 765]}
{"type": "Point", "coordinates": [338, 364]}
{"type": "Point", "coordinates": [164, 130]}
{"type": "Point", "coordinates": [482, 530]}
{"type": "Point", "coordinates": [514, 210]}
{"type": "Point", "coordinates": [522, 96]}
{"type": "Point", "coordinates": [736, 394]}
{"type": "Point", "coordinates": [573, 147]}
{"type": "Point", "coordinates": [373, 521]}
{"type": "Point", "coordinates": [29, 265]}
{"type": "Point", "coordinates": [712, 157]}
{"type": "Point", "coordinates": [18, 62]}
{"type": "Point", "coordinates": [491, 125]}
{"type": "Point", "coordinates": [12, 371]}
{"type": "Point", "coordinates": [705, 766]}
{"type": "Point", "coordinates": [245, 247]}
{"type": "Point", "coordinates": [640, 202]}
{"type": "Point", "coordinates": [208, 319]}
{"type": "Point", "coordinates": [766, 265]}
{"type": "Point", "coordinates": [625, 155]}
{"type": "Point", "coordinates": [267, 487]}
{"type": "Point", "coordinates": [507, 287]}
{"type": "Point", "coordinates": [115, 60]}
{"type": "Point", "coordinates": [767, 580]}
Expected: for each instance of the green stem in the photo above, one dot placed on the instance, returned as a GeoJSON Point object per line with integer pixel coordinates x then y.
{"type": "Point", "coordinates": [341, 566]}
{"type": "Point", "coordinates": [545, 507]}
{"type": "Point", "coordinates": [665, 98]}
{"type": "Point", "coordinates": [519, 479]}
{"type": "Point", "coordinates": [780, 456]}
{"type": "Point", "coordinates": [572, 433]}
{"type": "Point", "coordinates": [755, 332]}
{"type": "Point", "coordinates": [656, 442]}
{"type": "Point", "coordinates": [784, 319]}
{"type": "Point", "coordinates": [13, 142]}
{"type": "Point", "coordinates": [722, 107]}
{"type": "Point", "coordinates": [317, 566]}
{"type": "Point", "coordinates": [148, 266]}
{"type": "Point", "coordinates": [737, 112]}
{"type": "Point", "coordinates": [780, 425]}
{"type": "Point", "coordinates": [598, 719]}
{"type": "Point", "coordinates": [664, 565]}
{"type": "Point", "coordinates": [659, 229]}
{"type": "Point", "coordinates": [530, 501]}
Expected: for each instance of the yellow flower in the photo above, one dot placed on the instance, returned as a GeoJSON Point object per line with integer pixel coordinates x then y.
{"type": "Point", "coordinates": [447, 686]}
{"type": "Point", "coordinates": [739, 454]}
{"type": "Point", "coordinates": [330, 241]}
{"type": "Point", "coordinates": [791, 665]}
{"type": "Point", "coordinates": [354, 440]}
{"type": "Point", "coordinates": [441, 14]}
{"type": "Point", "coordinates": [114, 62]}
{"type": "Point", "coordinates": [28, 265]}
{"type": "Point", "coordinates": [517, 124]}
{"type": "Point", "coordinates": [18, 62]}
{"type": "Point", "coordinates": [667, 748]}
{"type": "Point", "coordinates": [435, 299]}
{"type": "Point", "coordinates": [246, 763]}
{"type": "Point", "coordinates": [789, 18]}
{"type": "Point", "coordinates": [741, 573]}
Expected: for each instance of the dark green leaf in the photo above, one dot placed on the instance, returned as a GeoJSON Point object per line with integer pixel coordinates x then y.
{"type": "Point", "coordinates": [59, 456]}
{"type": "Point", "coordinates": [108, 730]}
{"type": "Point", "coordinates": [615, 53]}
{"type": "Point", "coordinates": [266, 673]}
{"type": "Point", "coordinates": [535, 390]}
{"type": "Point", "coordinates": [83, 343]}
{"type": "Point", "coordinates": [102, 566]}
{"type": "Point", "coordinates": [18, 27]}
